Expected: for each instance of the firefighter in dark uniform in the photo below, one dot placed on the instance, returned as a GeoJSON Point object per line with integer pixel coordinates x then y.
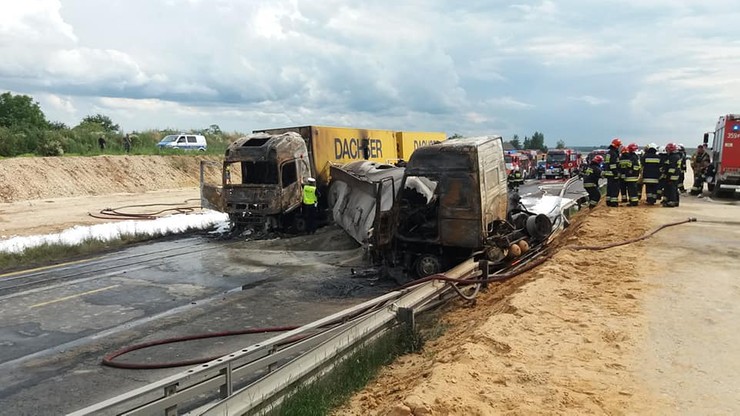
{"type": "Point", "coordinates": [651, 173]}
{"type": "Point", "coordinates": [611, 173]}
{"type": "Point", "coordinates": [672, 172]}
{"type": "Point", "coordinates": [515, 179]}
{"type": "Point", "coordinates": [591, 176]}
{"type": "Point", "coordinates": [700, 161]}
{"type": "Point", "coordinates": [310, 200]}
{"type": "Point", "coordinates": [629, 168]}
{"type": "Point", "coordinates": [663, 156]}
{"type": "Point", "coordinates": [682, 151]}
{"type": "Point", "coordinates": [622, 182]}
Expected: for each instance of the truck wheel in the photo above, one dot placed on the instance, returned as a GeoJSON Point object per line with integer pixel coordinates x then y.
{"type": "Point", "coordinates": [717, 191]}
{"type": "Point", "coordinates": [299, 224]}
{"type": "Point", "coordinates": [427, 265]}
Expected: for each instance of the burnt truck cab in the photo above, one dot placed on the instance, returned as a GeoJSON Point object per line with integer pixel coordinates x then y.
{"type": "Point", "coordinates": [262, 179]}
{"type": "Point", "coordinates": [453, 202]}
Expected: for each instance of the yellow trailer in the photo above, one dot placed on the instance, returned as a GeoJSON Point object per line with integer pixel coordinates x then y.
{"type": "Point", "coordinates": [408, 141]}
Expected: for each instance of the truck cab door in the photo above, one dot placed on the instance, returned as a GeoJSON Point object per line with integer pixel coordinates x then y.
{"type": "Point", "coordinates": [211, 193]}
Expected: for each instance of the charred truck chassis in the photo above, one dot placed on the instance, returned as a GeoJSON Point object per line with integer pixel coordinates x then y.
{"type": "Point", "coordinates": [451, 203]}
{"type": "Point", "coordinates": [257, 168]}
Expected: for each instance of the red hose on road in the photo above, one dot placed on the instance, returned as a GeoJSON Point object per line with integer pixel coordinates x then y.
{"type": "Point", "coordinates": [108, 359]}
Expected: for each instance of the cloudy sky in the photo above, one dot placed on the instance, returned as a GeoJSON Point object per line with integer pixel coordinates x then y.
{"type": "Point", "coordinates": [578, 70]}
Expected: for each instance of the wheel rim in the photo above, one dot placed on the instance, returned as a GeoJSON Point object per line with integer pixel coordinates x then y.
{"type": "Point", "coordinates": [427, 265]}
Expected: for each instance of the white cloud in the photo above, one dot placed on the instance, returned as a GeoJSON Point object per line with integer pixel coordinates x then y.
{"type": "Point", "coordinates": [590, 100]}
{"type": "Point", "coordinates": [471, 67]}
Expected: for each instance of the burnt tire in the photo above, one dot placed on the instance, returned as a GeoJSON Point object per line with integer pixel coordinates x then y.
{"type": "Point", "coordinates": [299, 224]}
{"type": "Point", "coordinates": [426, 265]}
{"type": "Point", "coordinates": [539, 226]}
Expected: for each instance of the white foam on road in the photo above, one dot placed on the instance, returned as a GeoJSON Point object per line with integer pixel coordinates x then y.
{"type": "Point", "coordinates": [549, 205]}
{"type": "Point", "coordinates": [172, 224]}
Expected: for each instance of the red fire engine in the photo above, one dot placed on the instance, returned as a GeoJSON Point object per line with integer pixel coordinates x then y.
{"type": "Point", "coordinates": [724, 175]}
{"type": "Point", "coordinates": [512, 161]}
{"type": "Point", "coordinates": [562, 163]}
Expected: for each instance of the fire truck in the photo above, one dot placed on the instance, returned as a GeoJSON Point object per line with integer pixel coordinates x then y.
{"type": "Point", "coordinates": [724, 173]}
{"type": "Point", "coordinates": [562, 163]}
{"type": "Point", "coordinates": [512, 161]}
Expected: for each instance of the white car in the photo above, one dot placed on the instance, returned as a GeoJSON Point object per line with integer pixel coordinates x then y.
{"type": "Point", "coordinates": [184, 141]}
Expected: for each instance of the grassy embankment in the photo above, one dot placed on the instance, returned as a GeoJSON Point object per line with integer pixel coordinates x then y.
{"type": "Point", "coordinates": [355, 371]}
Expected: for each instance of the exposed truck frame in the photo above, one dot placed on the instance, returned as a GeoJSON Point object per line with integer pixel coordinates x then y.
{"type": "Point", "coordinates": [449, 202]}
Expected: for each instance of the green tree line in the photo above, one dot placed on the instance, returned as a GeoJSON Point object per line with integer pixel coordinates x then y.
{"type": "Point", "coordinates": [25, 130]}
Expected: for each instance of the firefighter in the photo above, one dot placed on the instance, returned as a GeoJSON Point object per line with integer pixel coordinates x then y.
{"type": "Point", "coordinates": [700, 161]}
{"type": "Point", "coordinates": [651, 173]}
{"type": "Point", "coordinates": [310, 200]}
{"type": "Point", "coordinates": [515, 178]}
{"type": "Point", "coordinates": [591, 175]}
{"type": "Point", "coordinates": [682, 152]}
{"type": "Point", "coordinates": [663, 155]}
{"type": "Point", "coordinates": [622, 183]}
{"type": "Point", "coordinates": [611, 173]}
{"type": "Point", "coordinates": [672, 172]}
{"type": "Point", "coordinates": [629, 168]}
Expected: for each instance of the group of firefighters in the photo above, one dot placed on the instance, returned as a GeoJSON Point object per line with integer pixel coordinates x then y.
{"type": "Point", "coordinates": [662, 174]}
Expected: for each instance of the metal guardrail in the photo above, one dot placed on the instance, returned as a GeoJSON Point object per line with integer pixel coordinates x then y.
{"type": "Point", "coordinates": [228, 380]}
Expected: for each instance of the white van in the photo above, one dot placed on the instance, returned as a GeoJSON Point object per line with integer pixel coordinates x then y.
{"type": "Point", "coordinates": [184, 141]}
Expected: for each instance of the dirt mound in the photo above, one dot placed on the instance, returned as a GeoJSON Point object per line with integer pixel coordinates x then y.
{"type": "Point", "coordinates": [54, 177]}
{"type": "Point", "coordinates": [558, 339]}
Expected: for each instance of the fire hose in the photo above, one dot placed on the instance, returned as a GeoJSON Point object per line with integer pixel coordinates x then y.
{"type": "Point", "coordinates": [535, 262]}
{"type": "Point", "coordinates": [117, 214]}
{"type": "Point", "coordinates": [109, 359]}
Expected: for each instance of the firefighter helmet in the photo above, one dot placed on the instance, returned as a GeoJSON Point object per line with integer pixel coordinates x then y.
{"type": "Point", "coordinates": [598, 159]}
{"type": "Point", "coordinates": [616, 142]}
{"type": "Point", "coordinates": [632, 147]}
{"type": "Point", "coordinates": [670, 148]}
{"type": "Point", "coordinates": [652, 146]}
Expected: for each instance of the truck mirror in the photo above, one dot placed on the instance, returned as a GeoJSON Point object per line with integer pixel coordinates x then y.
{"type": "Point", "coordinates": [706, 138]}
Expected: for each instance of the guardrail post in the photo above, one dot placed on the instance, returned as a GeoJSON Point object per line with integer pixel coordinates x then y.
{"type": "Point", "coordinates": [407, 317]}
{"type": "Point", "coordinates": [169, 391]}
{"type": "Point", "coordinates": [227, 388]}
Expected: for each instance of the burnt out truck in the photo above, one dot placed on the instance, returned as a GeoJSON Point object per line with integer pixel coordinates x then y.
{"type": "Point", "coordinates": [262, 173]}
{"type": "Point", "coordinates": [450, 202]}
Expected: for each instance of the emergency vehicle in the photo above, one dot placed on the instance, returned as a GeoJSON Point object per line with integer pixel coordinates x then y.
{"type": "Point", "coordinates": [512, 161]}
{"type": "Point", "coordinates": [724, 173]}
{"type": "Point", "coordinates": [562, 163]}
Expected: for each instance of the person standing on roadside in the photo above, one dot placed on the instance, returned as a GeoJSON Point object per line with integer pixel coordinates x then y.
{"type": "Point", "coordinates": [310, 201]}
{"type": "Point", "coordinates": [651, 173]}
{"type": "Point", "coordinates": [611, 173]}
{"type": "Point", "coordinates": [622, 182]}
{"type": "Point", "coordinates": [682, 152]}
{"type": "Point", "coordinates": [672, 173]}
{"type": "Point", "coordinates": [127, 143]}
{"type": "Point", "coordinates": [101, 143]}
{"type": "Point", "coordinates": [700, 161]}
{"type": "Point", "coordinates": [591, 175]}
{"type": "Point", "coordinates": [629, 168]}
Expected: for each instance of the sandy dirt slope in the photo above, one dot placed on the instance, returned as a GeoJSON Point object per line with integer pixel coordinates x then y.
{"type": "Point", "coordinates": [45, 195]}
{"type": "Point", "coordinates": [559, 339]}
{"type": "Point", "coordinates": [61, 177]}
{"type": "Point", "coordinates": [53, 215]}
